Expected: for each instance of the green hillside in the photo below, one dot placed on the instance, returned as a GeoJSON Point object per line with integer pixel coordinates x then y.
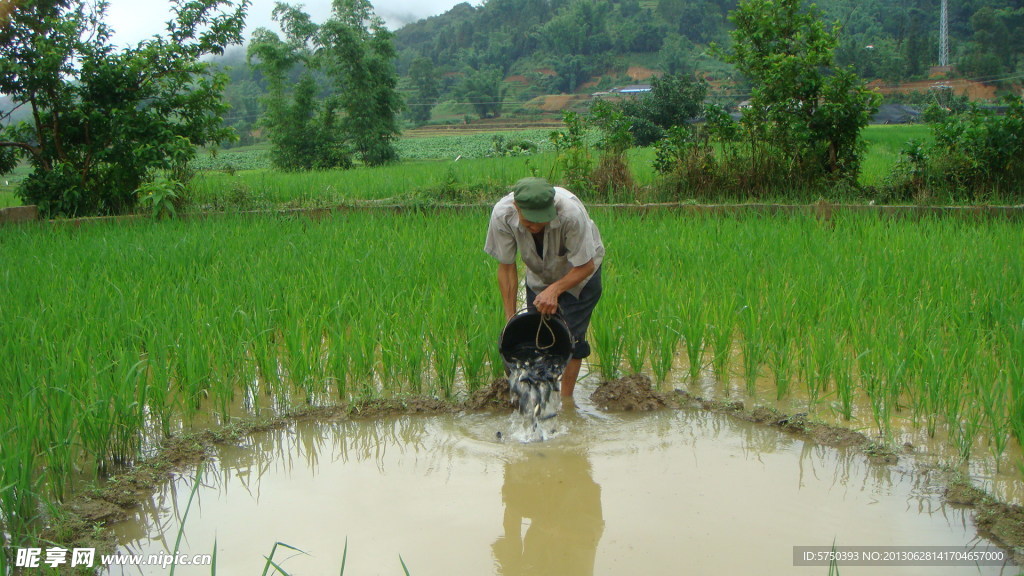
{"type": "Point", "coordinates": [568, 46]}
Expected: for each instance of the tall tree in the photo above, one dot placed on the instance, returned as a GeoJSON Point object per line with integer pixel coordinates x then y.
{"type": "Point", "coordinates": [301, 126]}
{"type": "Point", "coordinates": [358, 54]}
{"type": "Point", "coordinates": [801, 104]}
{"type": "Point", "coordinates": [104, 120]}
{"type": "Point", "coordinates": [424, 80]}
{"type": "Point", "coordinates": [353, 52]}
{"type": "Point", "coordinates": [484, 90]}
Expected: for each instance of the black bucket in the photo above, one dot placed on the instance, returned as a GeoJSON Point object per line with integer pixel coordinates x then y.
{"type": "Point", "coordinates": [528, 335]}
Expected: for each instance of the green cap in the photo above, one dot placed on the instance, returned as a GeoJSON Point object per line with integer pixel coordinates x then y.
{"type": "Point", "coordinates": [535, 199]}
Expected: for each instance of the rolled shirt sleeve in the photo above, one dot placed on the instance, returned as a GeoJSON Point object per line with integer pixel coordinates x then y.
{"type": "Point", "coordinates": [501, 237]}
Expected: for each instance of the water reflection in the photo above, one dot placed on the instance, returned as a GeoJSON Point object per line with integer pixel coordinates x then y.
{"type": "Point", "coordinates": [552, 522]}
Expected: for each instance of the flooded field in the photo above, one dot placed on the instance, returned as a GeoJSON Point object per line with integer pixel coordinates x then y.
{"type": "Point", "coordinates": [672, 491]}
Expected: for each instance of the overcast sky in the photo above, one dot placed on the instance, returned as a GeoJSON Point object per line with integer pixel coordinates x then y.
{"type": "Point", "coordinates": [135, 20]}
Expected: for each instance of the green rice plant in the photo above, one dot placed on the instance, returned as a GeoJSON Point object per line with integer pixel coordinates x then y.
{"type": "Point", "coordinates": [664, 335]}
{"type": "Point", "coordinates": [870, 366]}
{"type": "Point", "coordinates": [608, 343]}
{"type": "Point", "coordinates": [117, 335]}
{"type": "Point", "coordinates": [445, 358]}
{"type": "Point", "coordinates": [843, 375]}
{"type": "Point", "coordinates": [720, 329]}
{"type": "Point", "coordinates": [990, 386]}
{"type": "Point", "coordinates": [693, 323]}
{"type": "Point", "coordinates": [935, 379]}
{"type": "Point", "coordinates": [819, 361]}
{"type": "Point", "coordinates": [753, 346]}
{"type": "Point", "coordinates": [474, 359]}
{"type": "Point", "coordinates": [966, 433]}
{"type": "Point", "coordinates": [1015, 384]}
{"type": "Point", "coordinates": [635, 347]}
{"type": "Point", "coordinates": [338, 365]}
{"type": "Point", "coordinates": [780, 354]}
{"type": "Point", "coordinates": [270, 563]}
{"type": "Point", "coordinates": [188, 506]}
{"type": "Point", "coordinates": [363, 356]}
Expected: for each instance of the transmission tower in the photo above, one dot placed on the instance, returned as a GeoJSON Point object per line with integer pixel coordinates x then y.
{"type": "Point", "coordinates": [944, 35]}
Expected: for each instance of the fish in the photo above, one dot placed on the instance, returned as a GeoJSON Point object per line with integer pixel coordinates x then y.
{"type": "Point", "coordinates": [532, 379]}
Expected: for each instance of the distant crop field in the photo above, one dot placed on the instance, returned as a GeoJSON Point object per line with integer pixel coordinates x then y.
{"type": "Point", "coordinates": [433, 166]}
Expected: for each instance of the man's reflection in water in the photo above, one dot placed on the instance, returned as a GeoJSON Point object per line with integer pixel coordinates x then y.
{"type": "Point", "coordinates": [550, 495]}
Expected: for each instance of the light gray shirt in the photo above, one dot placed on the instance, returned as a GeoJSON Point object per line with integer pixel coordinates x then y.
{"type": "Point", "coordinates": [570, 240]}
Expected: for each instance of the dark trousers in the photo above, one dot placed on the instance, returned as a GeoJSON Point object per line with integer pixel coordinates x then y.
{"type": "Point", "coordinates": [576, 311]}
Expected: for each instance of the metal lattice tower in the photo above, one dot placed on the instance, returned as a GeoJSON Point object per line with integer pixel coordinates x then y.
{"type": "Point", "coordinates": [944, 35]}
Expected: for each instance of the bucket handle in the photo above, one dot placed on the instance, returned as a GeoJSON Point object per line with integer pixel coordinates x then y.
{"type": "Point", "coordinates": [551, 331]}
{"type": "Point", "coordinates": [543, 324]}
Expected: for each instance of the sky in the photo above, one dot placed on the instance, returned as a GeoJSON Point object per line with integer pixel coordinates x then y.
{"type": "Point", "coordinates": [136, 20]}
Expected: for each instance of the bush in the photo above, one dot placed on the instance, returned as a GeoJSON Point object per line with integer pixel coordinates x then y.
{"type": "Point", "coordinates": [975, 153]}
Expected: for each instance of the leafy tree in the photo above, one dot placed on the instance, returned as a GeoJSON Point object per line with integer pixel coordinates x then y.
{"type": "Point", "coordinates": [802, 107]}
{"type": "Point", "coordinates": [579, 30]}
{"type": "Point", "coordinates": [352, 50]}
{"type": "Point", "coordinates": [294, 117]}
{"type": "Point", "coordinates": [104, 121]}
{"type": "Point", "coordinates": [676, 55]}
{"type": "Point", "coordinates": [358, 55]}
{"type": "Point", "coordinates": [674, 100]}
{"type": "Point", "coordinates": [484, 90]}
{"type": "Point", "coordinates": [570, 73]}
{"type": "Point", "coordinates": [424, 79]}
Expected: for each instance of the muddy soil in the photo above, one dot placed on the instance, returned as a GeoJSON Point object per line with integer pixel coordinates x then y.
{"type": "Point", "coordinates": [629, 394]}
{"type": "Point", "coordinates": [96, 507]}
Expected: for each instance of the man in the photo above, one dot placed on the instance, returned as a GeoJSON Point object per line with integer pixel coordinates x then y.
{"type": "Point", "coordinates": [561, 247]}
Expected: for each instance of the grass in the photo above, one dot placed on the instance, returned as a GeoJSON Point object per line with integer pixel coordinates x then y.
{"type": "Point", "coordinates": [884, 144]}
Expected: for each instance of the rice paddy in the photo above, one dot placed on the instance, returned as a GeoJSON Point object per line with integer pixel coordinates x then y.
{"type": "Point", "coordinates": [115, 336]}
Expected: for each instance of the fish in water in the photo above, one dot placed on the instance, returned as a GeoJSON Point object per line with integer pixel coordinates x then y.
{"type": "Point", "coordinates": [531, 381]}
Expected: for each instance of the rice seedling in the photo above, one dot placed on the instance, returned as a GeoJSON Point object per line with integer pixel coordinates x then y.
{"type": "Point", "coordinates": [721, 328]}
{"type": "Point", "coordinates": [693, 321]}
{"type": "Point", "coordinates": [781, 354]}
{"type": "Point", "coordinates": [753, 346]}
{"type": "Point", "coordinates": [818, 361]}
{"type": "Point", "coordinates": [445, 356]}
{"type": "Point", "coordinates": [608, 343]}
{"type": "Point", "coordinates": [664, 335]}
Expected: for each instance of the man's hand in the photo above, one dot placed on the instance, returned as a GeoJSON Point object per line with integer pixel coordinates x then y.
{"type": "Point", "coordinates": [547, 301]}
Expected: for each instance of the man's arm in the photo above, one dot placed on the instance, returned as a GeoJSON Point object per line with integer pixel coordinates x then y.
{"type": "Point", "coordinates": [547, 301]}
{"type": "Point", "coordinates": [508, 285]}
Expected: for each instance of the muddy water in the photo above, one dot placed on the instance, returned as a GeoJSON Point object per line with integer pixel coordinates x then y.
{"type": "Point", "coordinates": [654, 493]}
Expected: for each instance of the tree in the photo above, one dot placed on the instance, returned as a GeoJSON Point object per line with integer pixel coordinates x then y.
{"type": "Point", "coordinates": [353, 52]}
{"type": "Point", "coordinates": [674, 100]}
{"type": "Point", "coordinates": [104, 121]}
{"type": "Point", "coordinates": [357, 53]}
{"type": "Point", "coordinates": [802, 106]}
{"type": "Point", "coordinates": [301, 127]}
{"type": "Point", "coordinates": [424, 80]}
{"type": "Point", "coordinates": [484, 90]}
